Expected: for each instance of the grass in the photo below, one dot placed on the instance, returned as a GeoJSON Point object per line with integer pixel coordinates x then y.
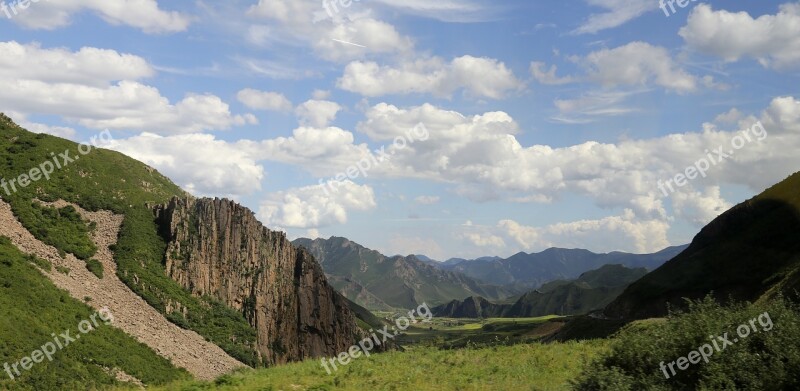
{"type": "Point", "coordinates": [519, 367]}
{"type": "Point", "coordinates": [31, 308]}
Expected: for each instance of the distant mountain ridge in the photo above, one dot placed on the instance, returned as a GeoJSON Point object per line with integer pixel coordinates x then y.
{"type": "Point", "coordinates": [593, 290]}
{"type": "Point", "coordinates": [379, 282]}
{"type": "Point", "coordinates": [533, 270]}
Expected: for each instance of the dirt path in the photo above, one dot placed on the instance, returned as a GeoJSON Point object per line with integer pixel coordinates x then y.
{"type": "Point", "coordinates": [186, 349]}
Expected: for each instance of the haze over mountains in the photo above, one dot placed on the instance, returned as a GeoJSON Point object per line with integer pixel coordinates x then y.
{"type": "Point", "coordinates": [532, 270]}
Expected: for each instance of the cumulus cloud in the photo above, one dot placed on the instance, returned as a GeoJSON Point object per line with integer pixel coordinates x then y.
{"type": "Point", "coordinates": [88, 66]}
{"type": "Point", "coordinates": [264, 100]}
{"type": "Point", "coordinates": [699, 208]}
{"type": "Point", "coordinates": [625, 232]}
{"type": "Point", "coordinates": [199, 163]}
{"type": "Point", "coordinates": [477, 76]}
{"type": "Point", "coordinates": [98, 89]}
{"type": "Point", "coordinates": [317, 113]}
{"type": "Point", "coordinates": [638, 64]}
{"type": "Point", "coordinates": [773, 40]}
{"type": "Point", "coordinates": [142, 14]}
{"type": "Point", "coordinates": [316, 206]}
{"type": "Point", "coordinates": [321, 151]}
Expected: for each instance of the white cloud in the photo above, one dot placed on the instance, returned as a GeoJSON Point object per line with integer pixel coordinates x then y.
{"type": "Point", "coordinates": [305, 23]}
{"type": "Point", "coordinates": [93, 88]}
{"type": "Point", "coordinates": [614, 233]}
{"type": "Point", "coordinates": [619, 12]}
{"type": "Point", "coordinates": [484, 240]}
{"type": "Point", "coordinates": [548, 77]}
{"type": "Point", "coordinates": [478, 77]}
{"type": "Point", "coordinates": [142, 14]}
{"type": "Point", "coordinates": [461, 11]}
{"type": "Point", "coordinates": [317, 113]}
{"type": "Point", "coordinates": [700, 208]}
{"type": "Point", "coordinates": [773, 40]}
{"type": "Point", "coordinates": [264, 100]}
{"type": "Point", "coordinates": [88, 66]}
{"type": "Point", "coordinates": [316, 206]}
{"type": "Point", "coordinates": [321, 151]}
{"type": "Point", "coordinates": [199, 163]}
{"type": "Point", "coordinates": [638, 64]}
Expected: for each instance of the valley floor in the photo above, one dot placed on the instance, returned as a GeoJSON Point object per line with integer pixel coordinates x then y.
{"type": "Point", "coordinates": [531, 366]}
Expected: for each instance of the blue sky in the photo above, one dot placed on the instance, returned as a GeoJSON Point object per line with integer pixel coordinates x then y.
{"type": "Point", "coordinates": [548, 123]}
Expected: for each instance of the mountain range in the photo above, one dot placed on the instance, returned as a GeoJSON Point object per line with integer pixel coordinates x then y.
{"type": "Point", "coordinates": [525, 271]}
{"type": "Point", "coordinates": [591, 291]}
{"type": "Point", "coordinates": [379, 282]}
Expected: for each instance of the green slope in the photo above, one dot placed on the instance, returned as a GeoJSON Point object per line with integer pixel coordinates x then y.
{"type": "Point", "coordinates": [750, 252]}
{"type": "Point", "coordinates": [108, 180]}
{"type": "Point", "coordinates": [31, 308]}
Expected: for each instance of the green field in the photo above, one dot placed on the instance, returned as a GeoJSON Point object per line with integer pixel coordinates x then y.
{"type": "Point", "coordinates": [519, 367]}
{"type": "Point", "coordinates": [459, 333]}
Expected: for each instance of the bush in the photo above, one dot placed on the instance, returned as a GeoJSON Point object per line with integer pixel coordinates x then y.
{"type": "Point", "coordinates": [95, 267]}
{"type": "Point", "coordinates": [765, 360]}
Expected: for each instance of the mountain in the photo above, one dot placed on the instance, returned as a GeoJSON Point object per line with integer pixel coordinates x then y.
{"type": "Point", "coordinates": [378, 282]}
{"type": "Point", "coordinates": [533, 270]}
{"type": "Point", "coordinates": [591, 291]}
{"type": "Point", "coordinates": [750, 252]}
{"type": "Point", "coordinates": [195, 285]}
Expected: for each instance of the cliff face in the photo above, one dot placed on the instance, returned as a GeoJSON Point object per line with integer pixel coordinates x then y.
{"type": "Point", "coordinates": [218, 248]}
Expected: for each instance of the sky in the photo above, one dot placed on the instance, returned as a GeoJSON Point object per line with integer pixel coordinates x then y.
{"type": "Point", "coordinates": [451, 128]}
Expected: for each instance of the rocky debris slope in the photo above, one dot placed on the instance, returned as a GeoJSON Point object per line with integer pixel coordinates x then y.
{"type": "Point", "coordinates": [186, 349]}
{"type": "Point", "coordinates": [218, 248]}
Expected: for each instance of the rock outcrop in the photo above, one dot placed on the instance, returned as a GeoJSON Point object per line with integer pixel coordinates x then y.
{"type": "Point", "coordinates": [218, 248]}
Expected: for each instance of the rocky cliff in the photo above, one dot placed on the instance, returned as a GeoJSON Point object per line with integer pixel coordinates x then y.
{"type": "Point", "coordinates": [218, 248]}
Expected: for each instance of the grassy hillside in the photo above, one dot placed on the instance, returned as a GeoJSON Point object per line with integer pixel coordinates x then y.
{"type": "Point", "coordinates": [748, 253]}
{"type": "Point", "coordinates": [108, 180]}
{"type": "Point", "coordinates": [31, 308]}
{"type": "Point", "coordinates": [519, 367]}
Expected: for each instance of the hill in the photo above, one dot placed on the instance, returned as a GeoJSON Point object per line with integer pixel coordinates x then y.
{"type": "Point", "coordinates": [93, 218]}
{"type": "Point", "coordinates": [378, 282]}
{"type": "Point", "coordinates": [749, 253]}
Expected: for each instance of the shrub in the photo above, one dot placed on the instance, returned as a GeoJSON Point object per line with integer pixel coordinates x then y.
{"type": "Point", "coordinates": [95, 267]}
{"type": "Point", "coordinates": [765, 360]}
